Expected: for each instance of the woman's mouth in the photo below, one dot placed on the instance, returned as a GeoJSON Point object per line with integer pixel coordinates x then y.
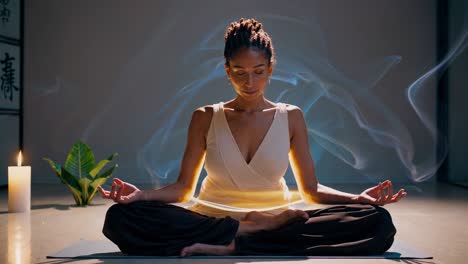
{"type": "Point", "coordinates": [250, 92]}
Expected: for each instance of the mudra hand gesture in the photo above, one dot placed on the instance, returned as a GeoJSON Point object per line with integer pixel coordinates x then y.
{"type": "Point", "coordinates": [380, 194]}
{"type": "Point", "coordinates": [122, 192]}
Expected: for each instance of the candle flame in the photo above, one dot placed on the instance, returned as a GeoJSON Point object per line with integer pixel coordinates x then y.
{"type": "Point", "coordinates": [20, 159]}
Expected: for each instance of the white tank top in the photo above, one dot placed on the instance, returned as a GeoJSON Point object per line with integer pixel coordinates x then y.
{"type": "Point", "coordinates": [233, 186]}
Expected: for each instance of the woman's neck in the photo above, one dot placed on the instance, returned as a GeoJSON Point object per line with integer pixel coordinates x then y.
{"type": "Point", "coordinates": [241, 105]}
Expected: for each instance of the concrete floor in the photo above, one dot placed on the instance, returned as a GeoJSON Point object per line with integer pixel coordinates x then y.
{"type": "Point", "coordinates": [432, 219]}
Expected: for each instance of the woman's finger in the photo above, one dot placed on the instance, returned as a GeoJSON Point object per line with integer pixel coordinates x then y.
{"type": "Point", "coordinates": [118, 181]}
{"type": "Point", "coordinates": [119, 192]}
{"type": "Point", "coordinates": [382, 192]}
{"type": "Point", "coordinates": [378, 201]}
{"type": "Point", "coordinates": [379, 187]}
{"type": "Point", "coordinates": [125, 199]}
{"type": "Point", "coordinates": [373, 189]}
{"type": "Point", "coordinates": [397, 196]}
{"type": "Point", "coordinates": [389, 196]}
{"type": "Point", "coordinates": [112, 191]}
{"type": "Point", "coordinates": [104, 193]}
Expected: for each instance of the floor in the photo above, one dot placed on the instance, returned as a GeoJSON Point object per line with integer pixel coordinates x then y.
{"type": "Point", "coordinates": [432, 219]}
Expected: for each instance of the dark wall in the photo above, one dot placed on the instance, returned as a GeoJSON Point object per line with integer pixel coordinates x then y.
{"type": "Point", "coordinates": [125, 77]}
{"type": "Point", "coordinates": [458, 92]}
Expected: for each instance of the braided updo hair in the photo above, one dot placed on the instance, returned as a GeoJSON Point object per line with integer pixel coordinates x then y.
{"type": "Point", "coordinates": [247, 33]}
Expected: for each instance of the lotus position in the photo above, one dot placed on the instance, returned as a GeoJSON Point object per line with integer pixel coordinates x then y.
{"type": "Point", "coordinates": [246, 145]}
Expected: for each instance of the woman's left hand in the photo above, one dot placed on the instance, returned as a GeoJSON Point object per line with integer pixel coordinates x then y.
{"type": "Point", "coordinates": [378, 196]}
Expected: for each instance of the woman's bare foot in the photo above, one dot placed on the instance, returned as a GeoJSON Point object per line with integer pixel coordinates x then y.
{"type": "Point", "coordinates": [208, 249]}
{"type": "Point", "coordinates": [253, 222]}
{"type": "Point", "coordinates": [270, 222]}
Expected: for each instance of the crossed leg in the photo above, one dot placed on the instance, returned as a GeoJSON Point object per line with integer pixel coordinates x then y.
{"type": "Point", "coordinates": [159, 229]}
{"type": "Point", "coordinates": [253, 222]}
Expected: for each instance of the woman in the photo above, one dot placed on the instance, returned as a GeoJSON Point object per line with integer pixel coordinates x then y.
{"type": "Point", "coordinates": [245, 145]}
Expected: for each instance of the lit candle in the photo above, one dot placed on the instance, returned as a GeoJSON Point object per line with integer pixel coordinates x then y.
{"type": "Point", "coordinates": [19, 187]}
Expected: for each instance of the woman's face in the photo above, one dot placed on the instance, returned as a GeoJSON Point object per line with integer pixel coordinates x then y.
{"type": "Point", "coordinates": [249, 72]}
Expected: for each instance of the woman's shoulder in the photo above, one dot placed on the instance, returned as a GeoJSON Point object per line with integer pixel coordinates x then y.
{"type": "Point", "coordinates": [203, 115]}
{"type": "Point", "coordinates": [295, 119]}
{"type": "Point", "coordinates": [294, 111]}
{"type": "Point", "coordinates": [291, 107]}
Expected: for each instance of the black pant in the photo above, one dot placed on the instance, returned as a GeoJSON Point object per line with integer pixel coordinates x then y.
{"type": "Point", "coordinates": [155, 228]}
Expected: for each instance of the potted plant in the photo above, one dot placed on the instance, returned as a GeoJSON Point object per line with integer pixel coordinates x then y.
{"type": "Point", "coordinates": [81, 173]}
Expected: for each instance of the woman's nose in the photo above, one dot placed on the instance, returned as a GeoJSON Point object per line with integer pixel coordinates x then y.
{"type": "Point", "coordinates": [249, 80]}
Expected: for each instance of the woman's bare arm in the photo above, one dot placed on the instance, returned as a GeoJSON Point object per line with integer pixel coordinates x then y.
{"type": "Point", "coordinates": [183, 189]}
{"type": "Point", "coordinates": [192, 163]}
{"type": "Point", "coordinates": [304, 172]}
{"type": "Point", "coordinates": [300, 158]}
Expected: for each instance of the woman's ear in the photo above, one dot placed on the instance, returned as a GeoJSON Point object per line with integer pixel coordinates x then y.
{"type": "Point", "coordinates": [270, 69]}
{"type": "Point", "coordinates": [226, 68]}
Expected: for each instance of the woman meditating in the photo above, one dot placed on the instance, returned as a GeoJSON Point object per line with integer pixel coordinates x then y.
{"type": "Point", "coordinates": [246, 146]}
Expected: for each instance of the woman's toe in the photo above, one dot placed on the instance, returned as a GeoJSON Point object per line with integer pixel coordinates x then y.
{"type": "Point", "coordinates": [302, 214]}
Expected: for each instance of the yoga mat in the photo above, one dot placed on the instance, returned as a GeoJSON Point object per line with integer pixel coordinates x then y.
{"type": "Point", "coordinates": [105, 249]}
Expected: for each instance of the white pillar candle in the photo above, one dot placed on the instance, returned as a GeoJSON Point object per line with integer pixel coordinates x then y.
{"type": "Point", "coordinates": [19, 187]}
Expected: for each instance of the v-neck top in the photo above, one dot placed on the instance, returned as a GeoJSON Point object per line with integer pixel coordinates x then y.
{"type": "Point", "coordinates": [229, 131]}
{"type": "Point", "coordinates": [233, 186]}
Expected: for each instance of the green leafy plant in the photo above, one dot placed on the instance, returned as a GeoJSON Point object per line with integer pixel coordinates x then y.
{"type": "Point", "coordinates": [80, 172]}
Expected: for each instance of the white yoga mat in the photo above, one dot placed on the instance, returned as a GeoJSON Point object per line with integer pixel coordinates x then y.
{"type": "Point", "coordinates": [105, 249]}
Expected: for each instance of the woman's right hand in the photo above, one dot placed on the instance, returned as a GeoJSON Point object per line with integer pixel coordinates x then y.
{"type": "Point", "coordinates": [122, 192]}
